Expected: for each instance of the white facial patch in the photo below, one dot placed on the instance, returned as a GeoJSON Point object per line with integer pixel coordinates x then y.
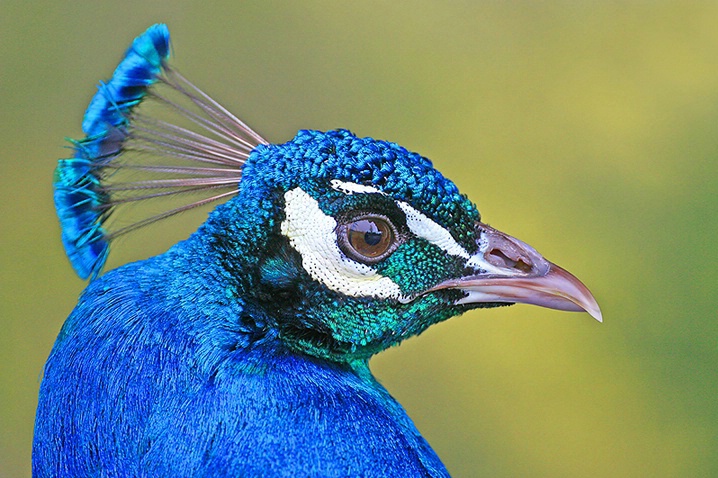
{"type": "Point", "coordinates": [312, 234]}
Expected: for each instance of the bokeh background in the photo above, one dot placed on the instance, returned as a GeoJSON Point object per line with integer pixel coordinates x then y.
{"type": "Point", "coordinates": [588, 129]}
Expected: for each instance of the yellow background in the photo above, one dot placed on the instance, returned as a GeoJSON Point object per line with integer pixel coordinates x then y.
{"type": "Point", "coordinates": [587, 129]}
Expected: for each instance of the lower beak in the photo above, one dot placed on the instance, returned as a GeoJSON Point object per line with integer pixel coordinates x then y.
{"type": "Point", "coordinates": [512, 271]}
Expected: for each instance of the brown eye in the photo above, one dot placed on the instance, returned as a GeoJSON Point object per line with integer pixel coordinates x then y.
{"type": "Point", "coordinates": [368, 239]}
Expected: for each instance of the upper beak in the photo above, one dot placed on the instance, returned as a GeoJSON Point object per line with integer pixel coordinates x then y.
{"type": "Point", "coordinates": [512, 271]}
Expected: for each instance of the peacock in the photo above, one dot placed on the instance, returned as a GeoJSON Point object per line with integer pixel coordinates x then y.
{"type": "Point", "coordinates": [244, 350]}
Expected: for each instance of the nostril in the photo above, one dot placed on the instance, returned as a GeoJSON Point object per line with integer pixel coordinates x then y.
{"type": "Point", "coordinates": [500, 259]}
{"type": "Point", "coordinates": [524, 267]}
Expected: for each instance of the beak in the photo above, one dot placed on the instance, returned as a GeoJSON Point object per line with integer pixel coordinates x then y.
{"type": "Point", "coordinates": [509, 270]}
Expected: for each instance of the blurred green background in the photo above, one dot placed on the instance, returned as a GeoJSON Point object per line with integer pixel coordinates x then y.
{"type": "Point", "coordinates": [587, 129]}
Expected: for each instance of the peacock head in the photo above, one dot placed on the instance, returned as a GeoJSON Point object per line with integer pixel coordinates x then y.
{"type": "Point", "coordinates": [356, 244]}
{"type": "Point", "coordinates": [343, 246]}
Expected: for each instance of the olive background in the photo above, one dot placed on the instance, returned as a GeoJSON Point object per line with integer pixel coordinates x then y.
{"type": "Point", "coordinates": [587, 129]}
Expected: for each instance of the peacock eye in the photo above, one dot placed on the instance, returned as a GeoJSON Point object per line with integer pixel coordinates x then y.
{"type": "Point", "coordinates": [367, 239]}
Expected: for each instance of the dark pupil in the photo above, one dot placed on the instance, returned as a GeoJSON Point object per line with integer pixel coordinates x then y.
{"type": "Point", "coordinates": [370, 237]}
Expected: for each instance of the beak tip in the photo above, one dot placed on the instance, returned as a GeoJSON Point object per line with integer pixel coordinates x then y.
{"type": "Point", "coordinates": [596, 314]}
{"type": "Point", "coordinates": [590, 305]}
{"type": "Point", "coordinates": [586, 303]}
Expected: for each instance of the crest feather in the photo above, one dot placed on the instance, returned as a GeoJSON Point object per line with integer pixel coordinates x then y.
{"type": "Point", "coordinates": [116, 163]}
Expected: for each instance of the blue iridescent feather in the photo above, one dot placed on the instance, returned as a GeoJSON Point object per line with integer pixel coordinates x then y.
{"type": "Point", "coordinates": [81, 204]}
{"type": "Point", "coordinates": [136, 72]}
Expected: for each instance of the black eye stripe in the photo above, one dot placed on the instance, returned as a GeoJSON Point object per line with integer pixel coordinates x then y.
{"type": "Point", "coordinates": [348, 208]}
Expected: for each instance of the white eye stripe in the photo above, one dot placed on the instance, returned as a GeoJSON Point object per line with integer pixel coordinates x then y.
{"type": "Point", "coordinates": [312, 234]}
{"type": "Point", "coordinates": [351, 188]}
{"type": "Point", "coordinates": [427, 229]}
